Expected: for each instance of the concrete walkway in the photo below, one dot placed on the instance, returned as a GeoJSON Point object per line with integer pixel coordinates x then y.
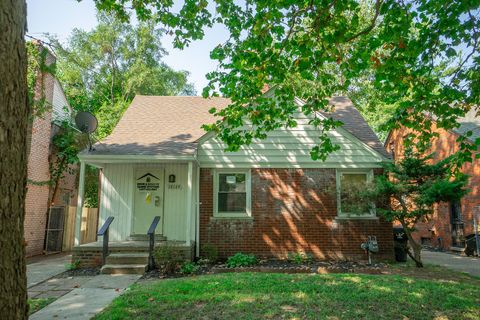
{"type": "Point", "coordinates": [459, 263]}
{"type": "Point", "coordinates": [89, 299]}
{"type": "Point", "coordinates": [42, 268]}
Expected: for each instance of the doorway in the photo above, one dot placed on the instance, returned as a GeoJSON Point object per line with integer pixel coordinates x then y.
{"type": "Point", "coordinates": [149, 200]}
{"type": "Point", "coordinates": [458, 239]}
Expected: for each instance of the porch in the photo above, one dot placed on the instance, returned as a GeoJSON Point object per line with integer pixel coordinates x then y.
{"type": "Point", "coordinates": [134, 192]}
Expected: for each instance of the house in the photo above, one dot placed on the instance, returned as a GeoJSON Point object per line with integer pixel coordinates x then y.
{"type": "Point", "coordinates": [450, 223]}
{"type": "Point", "coordinates": [41, 153]}
{"type": "Point", "coordinates": [269, 198]}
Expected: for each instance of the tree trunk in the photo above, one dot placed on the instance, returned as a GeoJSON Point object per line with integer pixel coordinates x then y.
{"type": "Point", "coordinates": [13, 164]}
{"type": "Point", "coordinates": [416, 247]}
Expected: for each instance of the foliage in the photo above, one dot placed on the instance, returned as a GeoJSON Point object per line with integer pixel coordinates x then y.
{"type": "Point", "coordinates": [103, 69]}
{"type": "Point", "coordinates": [421, 57]}
{"type": "Point", "coordinates": [168, 257]}
{"type": "Point", "coordinates": [38, 303]}
{"type": "Point", "coordinates": [300, 257]}
{"type": "Point", "coordinates": [74, 265]}
{"type": "Point", "coordinates": [37, 69]}
{"type": "Point", "coordinates": [91, 187]}
{"type": "Point", "coordinates": [299, 296]}
{"type": "Point", "coordinates": [412, 186]}
{"type": "Point", "coordinates": [189, 268]}
{"type": "Point", "coordinates": [241, 260]}
{"type": "Point", "coordinates": [210, 252]}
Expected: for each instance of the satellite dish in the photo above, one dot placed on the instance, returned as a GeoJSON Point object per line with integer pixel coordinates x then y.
{"type": "Point", "coordinates": [86, 122]}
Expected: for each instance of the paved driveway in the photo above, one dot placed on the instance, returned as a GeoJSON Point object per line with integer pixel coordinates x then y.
{"type": "Point", "coordinates": [459, 263]}
{"type": "Point", "coordinates": [44, 267]}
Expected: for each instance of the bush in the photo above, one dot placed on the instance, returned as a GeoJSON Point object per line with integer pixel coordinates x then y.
{"type": "Point", "coordinates": [299, 257]}
{"type": "Point", "coordinates": [189, 268]}
{"type": "Point", "coordinates": [241, 260]}
{"type": "Point", "coordinates": [210, 253]}
{"type": "Point", "coordinates": [168, 258]}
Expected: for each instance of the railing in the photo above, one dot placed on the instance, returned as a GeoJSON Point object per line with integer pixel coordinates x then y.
{"type": "Point", "coordinates": [151, 236]}
{"type": "Point", "coordinates": [104, 232]}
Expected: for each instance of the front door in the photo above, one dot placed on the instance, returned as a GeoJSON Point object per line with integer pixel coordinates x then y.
{"type": "Point", "coordinates": [148, 200]}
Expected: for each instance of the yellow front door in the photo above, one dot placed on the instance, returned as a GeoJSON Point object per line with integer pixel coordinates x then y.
{"type": "Point", "coordinates": [148, 200]}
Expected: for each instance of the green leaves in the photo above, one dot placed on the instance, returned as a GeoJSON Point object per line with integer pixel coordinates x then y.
{"type": "Point", "coordinates": [399, 61]}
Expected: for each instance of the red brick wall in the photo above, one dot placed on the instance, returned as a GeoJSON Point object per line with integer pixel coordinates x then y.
{"type": "Point", "coordinates": [39, 158]}
{"type": "Point", "coordinates": [36, 201]}
{"type": "Point", "coordinates": [292, 210]}
{"type": "Point", "coordinates": [444, 146]}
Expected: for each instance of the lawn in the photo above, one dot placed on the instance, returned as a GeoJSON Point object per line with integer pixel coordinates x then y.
{"type": "Point", "coordinates": [293, 296]}
{"type": "Point", "coordinates": [37, 304]}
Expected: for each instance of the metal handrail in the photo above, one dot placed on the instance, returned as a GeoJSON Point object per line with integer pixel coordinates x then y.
{"type": "Point", "coordinates": [104, 231]}
{"type": "Point", "coordinates": [151, 235]}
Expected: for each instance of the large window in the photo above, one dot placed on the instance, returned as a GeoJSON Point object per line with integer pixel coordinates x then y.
{"type": "Point", "coordinates": [232, 193]}
{"type": "Point", "coordinates": [350, 199]}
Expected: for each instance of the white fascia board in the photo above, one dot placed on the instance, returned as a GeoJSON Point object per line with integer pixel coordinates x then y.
{"type": "Point", "coordinates": [133, 158]}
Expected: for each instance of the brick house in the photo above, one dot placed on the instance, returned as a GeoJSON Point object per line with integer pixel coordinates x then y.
{"type": "Point", "coordinates": [40, 154]}
{"type": "Point", "coordinates": [269, 198]}
{"type": "Point", "coordinates": [450, 222]}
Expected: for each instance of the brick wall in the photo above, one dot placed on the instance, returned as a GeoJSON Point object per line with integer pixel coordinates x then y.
{"type": "Point", "coordinates": [438, 229]}
{"type": "Point", "coordinates": [292, 210]}
{"type": "Point", "coordinates": [39, 158]}
{"type": "Point", "coordinates": [36, 201]}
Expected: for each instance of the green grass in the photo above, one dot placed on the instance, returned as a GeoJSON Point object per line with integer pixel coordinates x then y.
{"type": "Point", "coordinates": [37, 304]}
{"type": "Point", "coordinates": [304, 296]}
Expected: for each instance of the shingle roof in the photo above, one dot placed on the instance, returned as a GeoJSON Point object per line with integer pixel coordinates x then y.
{"type": "Point", "coordinates": [160, 125]}
{"type": "Point", "coordinates": [171, 125]}
{"type": "Point", "coordinates": [353, 122]}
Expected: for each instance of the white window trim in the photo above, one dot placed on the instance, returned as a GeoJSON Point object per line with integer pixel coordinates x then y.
{"type": "Point", "coordinates": [248, 189]}
{"type": "Point", "coordinates": [346, 215]}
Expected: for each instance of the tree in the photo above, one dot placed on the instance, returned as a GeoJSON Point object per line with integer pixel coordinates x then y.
{"type": "Point", "coordinates": [411, 187]}
{"type": "Point", "coordinates": [422, 54]}
{"type": "Point", "coordinates": [13, 166]}
{"type": "Point", "coordinates": [102, 70]}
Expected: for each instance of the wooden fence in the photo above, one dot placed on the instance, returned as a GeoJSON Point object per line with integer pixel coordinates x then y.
{"type": "Point", "coordinates": [89, 227]}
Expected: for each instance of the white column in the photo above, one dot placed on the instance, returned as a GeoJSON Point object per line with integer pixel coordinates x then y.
{"type": "Point", "coordinates": [81, 190]}
{"type": "Point", "coordinates": [189, 202]}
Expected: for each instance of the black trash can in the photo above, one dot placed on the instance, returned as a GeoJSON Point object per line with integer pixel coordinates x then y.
{"type": "Point", "coordinates": [470, 245]}
{"type": "Point", "coordinates": [400, 244]}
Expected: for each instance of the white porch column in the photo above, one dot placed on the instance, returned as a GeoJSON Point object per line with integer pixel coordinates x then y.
{"type": "Point", "coordinates": [189, 202]}
{"type": "Point", "coordinates": [81, 191]}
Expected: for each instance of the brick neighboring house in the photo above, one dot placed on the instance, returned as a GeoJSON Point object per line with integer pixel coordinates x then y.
{"type": "Point", "coordinates": [40, 154]}
{"type": "Point", "coordinates": [450, 222]}
{"type": "Point", "coordinates": [269, 198]}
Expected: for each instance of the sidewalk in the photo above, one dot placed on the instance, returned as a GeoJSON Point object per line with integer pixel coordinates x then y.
{"type": "Point", "coordinates": [459, 263]}
{"type": "Point", "coordinates": [89, 299]}
{"type": "Point", "coordinates": [42, 268]}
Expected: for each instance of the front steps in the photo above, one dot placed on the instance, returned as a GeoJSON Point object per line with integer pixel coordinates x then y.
{"type": "Point", "coordinates": [126, 263]}
{"type": "Point", "coordinates": [145, 237]}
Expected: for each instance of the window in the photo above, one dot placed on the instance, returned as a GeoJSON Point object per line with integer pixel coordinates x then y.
{"type": "Point", "coordinates": [232, 193]}
{"type": "Point", "coordinates": [350, 201]}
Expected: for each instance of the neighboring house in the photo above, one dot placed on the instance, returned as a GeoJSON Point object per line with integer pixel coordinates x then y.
{"type": "Point", "coordinates": [451, 222]}
{"type": "Point", "coordinates": [39, 147]}
{"type": "Point", "coordinates": [269, 198]}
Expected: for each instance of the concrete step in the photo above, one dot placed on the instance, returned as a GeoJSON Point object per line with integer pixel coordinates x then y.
{"type": "Point", "coordinates": [145, 237]}
{"type": "Point", "coordinates": [128, 258]}
{"type": "Point", "coordinates": [124, 269]}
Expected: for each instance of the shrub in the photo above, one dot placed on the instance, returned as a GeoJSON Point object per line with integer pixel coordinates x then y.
{"type": "Point", "coordinates": [189, 268]}
{"type": "Point", "coordinates": [168, 257]}
{"type": "Point", "coordinates": [299, 257]}
{"type": "Point", "coordinates": [241, 260]}
{"type": "Point", "coordinates": [210, 253]}
{"type": "Point", "coordinates": [73, 266]}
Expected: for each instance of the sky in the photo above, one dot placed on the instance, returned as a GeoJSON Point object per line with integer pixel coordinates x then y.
{"type": "Point", "coordinates": [60, 17]}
